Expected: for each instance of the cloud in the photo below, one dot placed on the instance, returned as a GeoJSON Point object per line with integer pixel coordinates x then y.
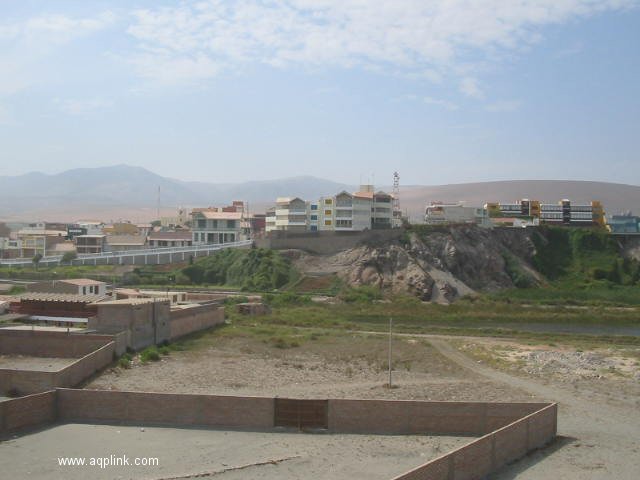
{"type": "Point", "coordinates": [74, 106]}
{"type": "Point", "coordinates": [408, 37]}
{"type": "Point", "coordinates": [441, 103]}
{"type": "Point", "coordinates": [24, 44]}
{"type": "Point", "coordinates": [469, 87]}
{"type": "Point", "coordinates": [504, 106]}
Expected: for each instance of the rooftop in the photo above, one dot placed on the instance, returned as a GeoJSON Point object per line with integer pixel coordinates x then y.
{"type": "Point", "coordinates": [60, 297]}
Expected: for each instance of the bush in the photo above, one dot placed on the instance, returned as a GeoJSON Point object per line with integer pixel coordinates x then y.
{"type": "Point", "coordinates": [363, 294]}
{"type": "Point", "coordinates": [150, 354]}
{"type": "Point", "coordinates": [125, 361]}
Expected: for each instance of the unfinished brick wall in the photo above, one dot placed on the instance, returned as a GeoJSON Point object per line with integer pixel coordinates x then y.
{"type": "Point", "coordinates": [26, 382]}
{"type": "Point", "coordinates": [27, 412]}
{"type": "Point", "coordinates": [535, 425]}
{"type": "Point", "coordinates": [39, 343]}
{"type": "Point", "coordinates": [194, 319]}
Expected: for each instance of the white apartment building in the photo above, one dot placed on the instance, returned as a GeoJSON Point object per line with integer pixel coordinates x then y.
{"type": "Point", "coordinates": [212, 225]}
{"type": "Point", "coordinates": [345, 211]}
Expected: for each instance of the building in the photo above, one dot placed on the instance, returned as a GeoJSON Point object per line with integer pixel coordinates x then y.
{"type": "Point", "coordinates": [86, 244]}
{"type": "Point", "coordinates": [290, 214]}
{"type": "Point", "coordinates": [120, 243]}
{"type": "Point", "coordinates": [438, 213]}
{"type": "Point", "coordinates": [216, 225]}
{"type": "Point", "coordinates": [343, 212]}
{"type": "Point", "coordinates": [170, 239]}
{"type": "Point", "coordinates": [40, 238]}
{"type": "Point", "coordinates": [179, 220]}
{"type": "Point", "coordinates": [73, 286]}
{"type": "Point", "coordinates": [621, 224]}
{"type": "Point", "coordinates": [121, 228]}
{"type": "Point", "coordinates": [562, 213]}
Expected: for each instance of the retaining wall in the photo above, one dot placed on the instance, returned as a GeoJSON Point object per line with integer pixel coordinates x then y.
{"type": "Point", "coordinates": [326, 242]}
{"type": "Point", "coordinates": [192, 319]}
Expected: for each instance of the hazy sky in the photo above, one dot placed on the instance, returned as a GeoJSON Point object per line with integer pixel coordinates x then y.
{"type": "Point", "coordinates": [444, 91]}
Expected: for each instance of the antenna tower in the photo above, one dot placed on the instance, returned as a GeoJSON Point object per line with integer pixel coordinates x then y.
{"type": "Point", "coordinates": [396, 199]}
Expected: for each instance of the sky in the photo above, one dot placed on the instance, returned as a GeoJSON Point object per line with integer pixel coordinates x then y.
{"type": "Point", "coordinates": [442, 91]}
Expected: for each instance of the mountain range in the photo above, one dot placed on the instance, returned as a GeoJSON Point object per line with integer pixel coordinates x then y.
{"type": "Point", "coordinates": [124, 191]}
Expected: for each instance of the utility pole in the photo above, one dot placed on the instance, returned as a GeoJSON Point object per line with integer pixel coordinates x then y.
{"type": "Point", "coordinates": [390, 351]}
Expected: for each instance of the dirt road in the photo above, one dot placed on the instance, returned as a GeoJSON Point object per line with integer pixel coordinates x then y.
{"type": "Point", "coordinates": [598, 440]}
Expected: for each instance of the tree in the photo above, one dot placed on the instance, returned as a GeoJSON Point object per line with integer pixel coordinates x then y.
{"type": "Point", "coordinates": [36, 259]}
{"type": "Point", "coordinates": [68, 257]}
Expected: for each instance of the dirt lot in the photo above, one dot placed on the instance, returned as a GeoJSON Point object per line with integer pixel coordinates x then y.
{"type": "Point", "coordinates": [352, 366]}
{"type": "Point", "coordinates": [42, 364]}
{"type": "Point", "coordinates": [228, 455]}
{"type": "Point", "coordinates": [599, 418]}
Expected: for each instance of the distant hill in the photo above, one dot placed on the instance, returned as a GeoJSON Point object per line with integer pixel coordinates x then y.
{"type": "Point", "coordinates": [123, 191]}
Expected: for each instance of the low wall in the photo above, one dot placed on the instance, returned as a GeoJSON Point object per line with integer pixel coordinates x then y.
{"type": "Point", "coordinates": [534, 426]}
{"type": "Point", "coordinates": [193, 319]}
{"type": "Point", "coordinates": [39, 343]}
{"type": "Point", "coordinates": [26, 382]}
{"type": "Point", "coordinates": [493, 451]}
{"type": "Point", "coordinates": [27, 412]}
{"type": "Point", "coordinates": [415, 417]}
{"type": "Point", "coordinates": [165, 409]}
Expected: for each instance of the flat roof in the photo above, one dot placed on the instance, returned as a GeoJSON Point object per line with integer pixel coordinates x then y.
{"type": "Point", "coordinates": [60, 297]}
{"type": "Point", "coordinates": [132, 301]}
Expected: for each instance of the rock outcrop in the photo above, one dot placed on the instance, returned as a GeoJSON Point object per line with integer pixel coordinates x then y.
{"type": "Point", "coordinates": [439, 264]}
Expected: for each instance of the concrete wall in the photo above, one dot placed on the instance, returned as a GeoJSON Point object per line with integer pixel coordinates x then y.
{"type": "Point", "coordinates": [326, 242]}
{"type": "Point", "coordinates": [27, 412]}
{"type": "Point", "coordinates": [194, 319]}
{"type": "Point", "coordinates": [39, 343]}
{"type": "Point", "coordinates": [26, 382]}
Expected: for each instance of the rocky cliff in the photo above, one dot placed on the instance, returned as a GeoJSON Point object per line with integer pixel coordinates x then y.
{"type": "Point", "coordinates": [434, 264]}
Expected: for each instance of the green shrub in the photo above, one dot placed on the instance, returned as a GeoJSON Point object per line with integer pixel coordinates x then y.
{"type": "Point", "coordinates": [363, 294]}
{"type": "Point", "coordinates": [149, 354]}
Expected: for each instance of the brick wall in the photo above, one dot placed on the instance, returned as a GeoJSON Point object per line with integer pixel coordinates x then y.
{"type": "Point", "coordinates": [193, 319]}
{"type": "Point", "coordinates": [39, 343]}
{"type": "Point", "coordinates": [414, 417]}
{"type": "Point", "coordinates": [26, 382]}
{"type": "Point", "coordinates": [27, 412]}
{"type": "Point", "coordinates": [165, 409]}
{"type": "Point", "coordinates": [493, 451]}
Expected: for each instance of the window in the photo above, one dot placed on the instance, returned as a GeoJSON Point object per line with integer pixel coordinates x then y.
{"type": "Point", "coordinates": [202, 224]}
{"type": "Point", "coordinates": [327, 212]}
{"type": "Point", "coordinates": [314, 207]}
{"type": "Point", "coordinates": [314, 217]}
{"type": "Point", "coordinates": [327, 222]}
{"type": "Point", "coordinates": [328, 201]}
{"type": "Point", "coordinates": [231, 224]}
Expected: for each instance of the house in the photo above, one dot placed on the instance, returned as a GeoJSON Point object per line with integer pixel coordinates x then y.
{"type": "Point", "coordinates": [90, 243]}
{"type": "Point", "coordinates": [624, 224]}
{"type": "Point", "coordinates": [170, 239]}
{"type": "Point", "coordinates": [438, 213]}
{"type": "Point", "coordinates": [39, 238]}
{"type": "Point", "coordinates": [74, 286]}
{"type": "Point", "coordinates": [119, 243]}
{"type": "Point", "coordinates": [290, 214]}
{"type": "Point", "coordinates": [217, 225]}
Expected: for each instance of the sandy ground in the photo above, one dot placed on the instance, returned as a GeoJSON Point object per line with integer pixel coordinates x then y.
{"type": "Point", "coordinates": [352, 366]}
{"type": "Point", "coordinates": [599, 416]}
{"type": "Point", "coordinates": [228, 455]}
{"type": "Point", "coordinates": [42, 364]}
